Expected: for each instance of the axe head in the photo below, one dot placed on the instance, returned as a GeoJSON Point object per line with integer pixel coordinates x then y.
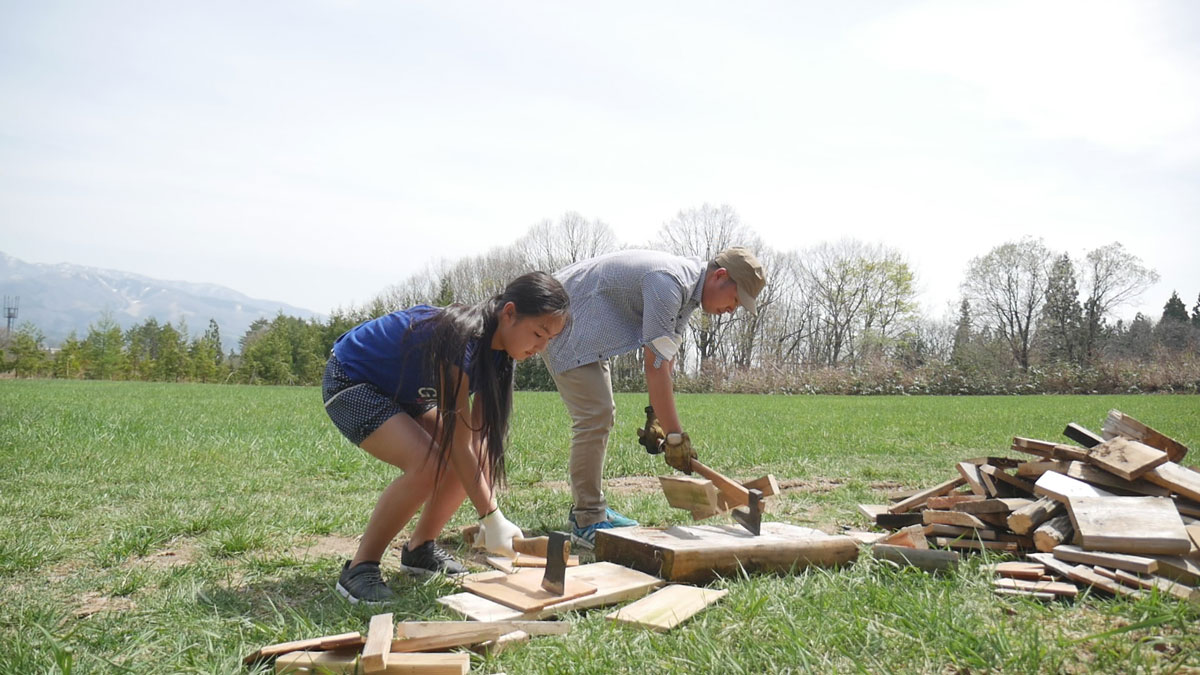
{"type": "Point", "coordinates": [752, 519]}
{"type": "Point", "coordinates": [556, 564]}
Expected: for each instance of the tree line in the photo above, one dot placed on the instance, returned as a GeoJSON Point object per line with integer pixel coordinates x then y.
{"type": "Point", "coordinates": [838, 317]}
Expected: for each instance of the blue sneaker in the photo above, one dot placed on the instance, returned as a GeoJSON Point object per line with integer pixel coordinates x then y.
{"type": "Point", "coordinates": [617, 520]}
{"type": "Point", "coordinates": [585, 536]}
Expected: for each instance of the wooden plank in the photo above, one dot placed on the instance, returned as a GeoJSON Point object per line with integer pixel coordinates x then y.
{"type": "Point", "coordinates": [1002, 506]}
{"type": "Point", "coordinates": [699, 553]}
{"type": "Point", "coordinates": [1082, 436]}
{"type": "Point", "coordinates": [1113, 483]}
{"type": "Point", "coordinates": [869, 511]}
{"type": "Point", "coordinates": [667, 607]}
{"type": "Point", "coordinates": [1059, 487]}
{"type": "Point", "coordinates": [1031, 571]}
{"type": "Point", "coordinates": [996, 521]}
{"type": "Point", "coordinates": [1193, 531]}
{"type": "Point", "coordinates": [970, 473]}
{"type": "Point", "coordinates": [1178, 479]}
{"type": "Point", "coordinates": [510, 565]}
{"type": "Point", "coordinates": [1027, 518]}
{"type": "Point", "coordinates": [325, 643]}
{"type": "Point", "coordinates": [697, 495]}
{"type": "Point", "coordinates": [398, 664]}
{"type": "Point", "coordinates": [614, 583]}
{"type": "Point", "coordinates": [950, 501]}
{"type": "Point", "coordinates": [867, 538]}
{"type": "Point", "coordinates": [734, 493]}
{"type": "Point", "coordinates": [1048, 449]}
{"type": "Point", "coordinates": [893, 521]}
{"type": "Point", "coordinates": [450, 638]}
{"type": "Point", "coordinates": [767, 485]}
{"type": "Point", "coordinates": [1128, 459]}
{"type": "Point", "coordinates": [1033, 470]}
{"type": "Point", "coordinates": [1165, 586]}
{"type": "Point", "coordinates": [1132, 563]}
{"type": "Point", "coordinates": [1178, 568]}
{"type": "Point", "coordinates": [1052, 533]}
{"type": "Point", "coordinates": [952, 518]}
{"type": "Point", "coordinates": [1059, 588]}
{"type": "Point", "coordinates": [1054, 565]}
{"type": "Point", "coordinates": [975, 544]}
{"type": "Point", "coordinates": [912, 536]}
{"type": "Point", "coordinates": [523, 590]}
{"type": "Point", "coordinates": [1009, 592]}
{"type": "Point", "coordinates": [1119, 424]}
{"type": "Point", "coordinates": [420, 629]}
{"type": "Point", "coordinates": [943, 530]}
{"type": "Point", "coordinates": [1137, 525]}
{"type": "Point", "coordinates": [379, 643]}
{"type": "Point", "coordinates": [928, 559]}
{"type": "Point", "coordinates": [1086, 575]}
{"type": "Point", "coordinates": [923, 496]}
{"type": "Point", "coordinates": [1020, 485]}
{"type": "Point", "coordinates": [494, 647]}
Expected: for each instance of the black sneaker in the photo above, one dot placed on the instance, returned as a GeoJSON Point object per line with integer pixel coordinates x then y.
{"type": "Point", "coordinates": [429, 558]}
{"type": "Point", "coordinates": [363, 583]}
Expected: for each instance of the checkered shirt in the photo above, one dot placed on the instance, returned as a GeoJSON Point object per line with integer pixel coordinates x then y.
{"type": "Point", "coordinates": [623, 300]}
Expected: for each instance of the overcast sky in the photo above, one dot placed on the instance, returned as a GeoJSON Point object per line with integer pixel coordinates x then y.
{"type": "Point", "coordinates": [316, 152]}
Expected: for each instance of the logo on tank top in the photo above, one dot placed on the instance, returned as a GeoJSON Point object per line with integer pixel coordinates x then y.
{"type": "Point", "coordinates": [427, 393]}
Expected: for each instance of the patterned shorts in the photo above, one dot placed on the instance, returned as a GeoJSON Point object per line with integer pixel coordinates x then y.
{"type": "Point", "coordinates": [359, 408]}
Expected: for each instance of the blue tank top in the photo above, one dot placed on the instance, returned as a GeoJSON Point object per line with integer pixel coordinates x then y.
{"type": "Point", "coordinates": [390, 352]}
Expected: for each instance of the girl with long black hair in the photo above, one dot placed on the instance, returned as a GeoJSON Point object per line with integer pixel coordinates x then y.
{"type": "Point", "coordinates": [429, 390]}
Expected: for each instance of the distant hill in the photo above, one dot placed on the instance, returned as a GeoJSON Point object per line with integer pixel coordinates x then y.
{"type": "Point", "coordinates": [64, 297]}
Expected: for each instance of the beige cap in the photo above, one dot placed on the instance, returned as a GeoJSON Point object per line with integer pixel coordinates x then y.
{"type": "Point", "coordinates": [746, 272]}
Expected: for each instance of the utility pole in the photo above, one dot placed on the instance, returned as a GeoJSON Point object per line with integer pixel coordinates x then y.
{"type": "Point", "coordinates": [10, 310]}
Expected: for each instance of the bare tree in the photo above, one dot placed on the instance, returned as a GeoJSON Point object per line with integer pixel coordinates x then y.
{"type": "Point", "coordinates": [1007, 288]}
{"type": "Point", "coordinates": [1111, 277]}
{"type": "Point", "coordinates": [550, 246]}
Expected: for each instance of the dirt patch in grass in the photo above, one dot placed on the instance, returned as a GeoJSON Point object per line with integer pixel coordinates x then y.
{"type": "Point", "coordinates": [327, 546]}
{"type": "Point", "coordinates": [180, 552]}
{"type": "Point", "coordinates": [94, 603]}
{"type": "Point", "coordinates": [630, 485]}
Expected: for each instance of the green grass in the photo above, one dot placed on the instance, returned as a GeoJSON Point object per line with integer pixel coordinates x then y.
{"type": "Point", "coordinates": [163, 528]}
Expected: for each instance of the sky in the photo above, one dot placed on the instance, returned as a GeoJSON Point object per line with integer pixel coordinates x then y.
{"type": "Point", "coordinates": [315, 152]}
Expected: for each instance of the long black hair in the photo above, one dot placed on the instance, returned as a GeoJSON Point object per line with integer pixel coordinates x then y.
{"type": "Point", "coordinates": [455, 328]}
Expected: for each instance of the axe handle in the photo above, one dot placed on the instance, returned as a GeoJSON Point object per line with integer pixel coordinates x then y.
{"type": "Point", "coordinates": [535, 546]}
{"type": "Point", "coordinates": [734, 492]}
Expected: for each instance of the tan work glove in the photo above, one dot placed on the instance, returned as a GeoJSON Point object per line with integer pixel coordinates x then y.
{"type": "Point", "coordinates": [652, 437]}
{"type": "Point", "coordinates": [679, 453]}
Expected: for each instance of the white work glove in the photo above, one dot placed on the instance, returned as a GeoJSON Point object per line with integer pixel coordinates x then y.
{"type": "Point", "coordinates": [496, 533]}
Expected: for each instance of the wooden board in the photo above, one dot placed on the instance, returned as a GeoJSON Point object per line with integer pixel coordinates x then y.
{"type": "Point", "coordinates": [1033, 470]}
{"type": "Point", "coordinates": [1052, 533]}
{"type": "Point", "coordinates": [951, 501]}
{"type": "Point", "coordinates": [1048, 449]}
{"type": "Point", "coordinates": [510, 565]}
{"type": "Point", "coordinates": [1085, 437]}
{"type": "Point", "coordinates": [767, 485]}
{"type": "Point", "coordinates": [733, 492]}
{"type": "Point", "coordinates": [952, 518]}
{"type": "Point", "coordinates": [1178, 479]}
{"type": "Point", "coordinates": [613, 583]}
{"type": "Point", "coordinates": [1086, 575]}
{"type": "Point", "coordinates": [696, 495]}
{"type": "Point", "coordinates": [699, 553]}
{"type": "Point", "coordinates": [970, 473]}
{"type": "Point", "coordinates": [1059, 487]}
{"type": "Point", "coordinates": [1059, 567]}
{"type": "Point", "coordinates": [1133, 563]}
{"type": "Point", "coordinates": [325, 643]}
{"type": "Point", "coordinates": [523, 590]}
{"type": "Point", "coordinates": [1027, 518]}
{"type": "Point", "coordinates": [923, 496]}
{"type": "Point", "coordinates": [943, 530]}
{"type": "Point", "coordinates": [1021, 486]}
{"type": "Point", "coordinates": [1138, 525]}
{"type": "Point", "coordinates": [1128, 459]}
{"type": "Point", "coordinates": [975, 544]}
{"type": "Point", "coordinates": [912, 536]}
{"type": "Point", "coordinates": [1003, 506]}
{"type": "Point", "coordinates": [1178, 568]}
{"type": "Point", "coordinates": [1119, 424]}
{"type": "Point", "coordinates": [398, 664]}
{"type": "Point", "coordinates": [421, 629]}
{"type": "Point", "coordinates": [1105, 480]}
{"type": "Point", "coordinates": [925, 558]}
{"type": "Point", "coordinates": [667, 607]}
{"type": "Point", "coordinates": [1030, 571]}
{"type": "Point", "coordinates": [451, 637]}
{"type": "Point", "coordinates": [1060, 588]}
{"type": "Point", "coordinates": [379, 643]}
{"type": "Point", "coordinates": [894, 521]}
{"type": "Point", "coordinates": [870, 511]}
{"type": "Point", "coordinates": [1165, 586]}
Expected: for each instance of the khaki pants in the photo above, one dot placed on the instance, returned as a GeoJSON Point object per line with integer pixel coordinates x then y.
{"type": "Point", "coordinates": [587, 391]}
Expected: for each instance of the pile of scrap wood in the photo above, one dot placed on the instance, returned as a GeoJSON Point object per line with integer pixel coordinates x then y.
{"type": "Point", "coordinates": [417, 647]}
{"type": "Point", "coordinates": [1116, 512]}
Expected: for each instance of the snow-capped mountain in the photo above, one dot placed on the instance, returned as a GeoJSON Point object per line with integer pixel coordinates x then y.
{"type": "Point", "coordinates": [62, 298]}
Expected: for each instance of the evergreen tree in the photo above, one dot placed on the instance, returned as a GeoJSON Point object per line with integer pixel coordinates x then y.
{"type": "Point", "coordinates": [1062, 317]}
{"type": "Point", "coordinates": [171, 364]}
{"type": "Point", "coordinates": [28, 351]}
{"type": "Point", "coordinates": [205, 354]}
{"type": "Point", "coordinates": [141, 349]}
{"type": "Point", "coordinates": [1174, 310]}
{"type": "Point", "coordinates": [1196, 313]}
{"type": "Point", "coordinates": [102, 355]}
{"type": "Point", "coordinates": [68, 362]}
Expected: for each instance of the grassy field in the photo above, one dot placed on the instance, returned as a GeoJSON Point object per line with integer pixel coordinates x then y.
{"type": "Point", "coordinates": [174, 528]}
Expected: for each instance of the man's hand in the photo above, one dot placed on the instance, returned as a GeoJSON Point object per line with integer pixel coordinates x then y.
{"type": "Point", "coordinates": [652, 437]}
{"type": "Point", "coordinates": [679, 452]}
{"type": "Point", "coordinates": [496, 534]}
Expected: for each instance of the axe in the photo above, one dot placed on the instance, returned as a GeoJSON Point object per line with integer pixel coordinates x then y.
{"type": "Point", "coordinates": [555, 579]}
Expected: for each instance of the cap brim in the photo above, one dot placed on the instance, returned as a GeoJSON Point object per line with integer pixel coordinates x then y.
{"type": "Point", "coordinates": [747, 301]}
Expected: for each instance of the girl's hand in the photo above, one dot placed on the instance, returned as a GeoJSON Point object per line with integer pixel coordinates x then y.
{"type": "Point", "coordinates": [497, 533]}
